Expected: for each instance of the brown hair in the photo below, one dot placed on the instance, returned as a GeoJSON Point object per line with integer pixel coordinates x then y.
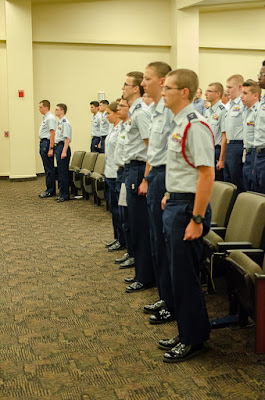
{"type": "Point", "coordinates": [161, 68]}
{"type": "Point", "coordinates": [45, 103]}
{"type": "Point", "coordinates": [185, 78]}
{"type": "Point", "coordinates": [219, 87]}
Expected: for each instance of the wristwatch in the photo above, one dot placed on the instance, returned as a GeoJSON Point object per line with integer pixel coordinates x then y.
{"type": "Point", "coordinates": [50, 148]}
{"type": "Point", "coordinates": [145, 178]}
{"type": "Point", "coordinates": [198, 219]}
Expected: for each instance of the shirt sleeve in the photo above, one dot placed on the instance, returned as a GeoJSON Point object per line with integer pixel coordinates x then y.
{"type": "Point", "coordinates": [67, 130]}
{"type": "Point", "coordinates": [51, 124]}
{"type": "Point", "coordinates": [201, 145]}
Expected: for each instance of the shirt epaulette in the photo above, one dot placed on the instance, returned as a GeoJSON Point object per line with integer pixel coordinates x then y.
{"type": "Point", "coordinates": [221, 106]}
{"type": "Point", "coordinates": [64, 120]}
{"type": "Point", "coordinates": [192, 116]}
{"type": "Point", "coordinates": [138, 106]}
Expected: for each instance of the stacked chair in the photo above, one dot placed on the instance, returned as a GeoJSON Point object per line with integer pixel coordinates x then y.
{"type": "Point", "coordinates": [87, 166]}
{"type": "Point", "coordinates": [94, 181]}
{"type": "Point", "coordinates": [76, 163]}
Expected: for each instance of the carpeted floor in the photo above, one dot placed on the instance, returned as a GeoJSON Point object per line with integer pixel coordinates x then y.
{"type": "Point", "coordinates": [68, 330]}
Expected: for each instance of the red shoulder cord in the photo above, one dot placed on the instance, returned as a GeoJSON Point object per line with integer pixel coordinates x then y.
{"type": "Point", "coordinates": [184, 140]}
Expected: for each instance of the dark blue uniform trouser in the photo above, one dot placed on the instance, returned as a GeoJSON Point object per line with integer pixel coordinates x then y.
{"type": "Point", "coordinates": [259, 171]}
{"type": "Point", "coordinates": [113, 206]}
{"type": "Point", "coordinates": [233, 164]}
{"type": "Point", "coordinates": [155, 193]}
{"type": "Point", "coordinates": [219, 173]}
{"type": "Point", "coordinates": [94, 144]}
{"type": "Point", "coordinates": [123, 212]}
{"type": "Point", "coordinates": [48, 164]}
{"type": "Point", "coordinates": [63, 170]}
{"type": "Point", "coordinates": [138, 222]}
{"type": "Point", "coordinates": [184, 265]}
{"type": "Point", "coordinates": [102, 146]}
{"type": "Point", "coordinates": [248, 170]}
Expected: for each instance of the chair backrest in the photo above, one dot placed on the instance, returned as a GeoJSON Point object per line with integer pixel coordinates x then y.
{"type": "Point", "coordinates": [100, 164]}
{"type": "Point", "coordinates": [222, 200]}
{"type": "Point", "coordinates": [89, 161]}
{"type": "Point", "coordinates": [247, 220]}
{"type": "Point", "coordinates": [77, 159]}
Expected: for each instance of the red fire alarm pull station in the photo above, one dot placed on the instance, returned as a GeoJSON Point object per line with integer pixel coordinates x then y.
{"type": "Point", "coordinates": [6, 133]}
{"type": "Point", "coordinates": [21, 93]}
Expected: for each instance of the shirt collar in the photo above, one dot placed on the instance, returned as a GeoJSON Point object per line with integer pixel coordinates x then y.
{"type": "Point", "coordinates": [134, 104]}
{"type": "Point", "coordinates": [179, 118]}
{"type": "Point", "coordinates": [160, 107]}
{"type": "Point", "coordinates": [216, 105]}
{"type": "Point", "coordinates": [237, 100]}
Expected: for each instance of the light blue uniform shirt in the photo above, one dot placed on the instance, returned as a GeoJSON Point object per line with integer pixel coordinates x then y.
{"type": "Point", "coordinates": [137, 130]}
{"type": "Point", "coordinates": [234, 120]}
{"type": "Point", "coordinates": [160, 129]}
{"type": "Point", "coordinates": [111, 168]}
{"type": "Point", "coordinates": [95, 124]}
{"type": "Point", "coordinates": [198, 105]}
{"type": "Point", "coordinates": [48, 124]}
{"type": "Point", "coordinates": [259, 133]}
{"type": "Point", "coordinates": [199, 149]}
{"type": "Point", "coordinates": [215, 117]}
{"type": "Point", "coordinates": [104, 124]}
{"type": "Point", "coordinates": [249, 121]}
{"type": "Point", "coordinates": [119, 149]}
{"type": "Point", "coordinates": [63, 131]}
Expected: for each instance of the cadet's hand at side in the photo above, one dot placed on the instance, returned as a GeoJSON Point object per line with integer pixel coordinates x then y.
{"type": "Point", "coordinates": [163, 202]}
{"type": "Point", "coordinates": [142, 189]}
{"type": "Point", "coordinates": [50, 153]}
{"type": "Point", "coordinates": [193, 231]}
{"type": "Point", "coordinates": [63, 155]}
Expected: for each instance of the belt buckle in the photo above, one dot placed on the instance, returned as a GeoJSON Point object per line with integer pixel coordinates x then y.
{"type": "Point", "coordinates": [258, 150]}
{"type": "Point", "coordinates": [150, 169]}
{"type": "Point", "coordinates": [228, 141]}
{"type": "Point", "coordinates": [167, 195]}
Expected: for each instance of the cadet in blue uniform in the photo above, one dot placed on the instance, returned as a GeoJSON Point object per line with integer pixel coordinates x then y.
{"type": "Point", "coordinates": [259, 141]}
{"type": "Point", "coordinates": [215, 116]}
{"type": "Point", "coordinates": [198, 103]}
{"type": "Point", "coordinates": [160, 129]}
{"type": "Point", "coordinates": [46, 135]}
{"type": "Point", "coordinates": [63, 138]}
{"type": "Point", "coordinates": [110, 173]}
{"type": "Point", "coordinates": [104, 124]}
{"type": "Point", "coordinates": [95, 126]}
{"type": "Point", "coordinates": [127, 260]}
{"type": "Point", "coordinates": [234, 133]}
{"type": "Point", "coordinates": [136, 170]}
{"type": "Point", "coordinates": [189, 181]}
{"type": "Point", "coordinates": [250, 98]}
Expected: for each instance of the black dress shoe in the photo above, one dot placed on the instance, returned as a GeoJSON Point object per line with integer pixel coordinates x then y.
{"type": "Point", "coordinates": [122, 259]}
{"type": "Point", "coordinates": [138, 287]}
{"type": "Point", "coordinates": [61, 199]}
{"type": "Point", "coordinates": [152, 308]}
{"type": "Point", "coordinates": [116, 246]}
{"type": "Point", "coordinates": [182, 352]}
{"type": "Point", "coordinates": [111, 243]}
{"type": "Point", "coordinates": [129, 263]}
{"type": "Point", "coordinates": [45, 195]}
{"type": "Point", "coordinates": [167, 344]}
{"type": "Point", "coordinates": [161, 317]}
{"type": "Point", "coordinates": [129, 280]}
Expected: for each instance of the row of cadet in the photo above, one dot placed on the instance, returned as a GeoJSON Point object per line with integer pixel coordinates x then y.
{"type": "Point", "coordinates": [159, 168]}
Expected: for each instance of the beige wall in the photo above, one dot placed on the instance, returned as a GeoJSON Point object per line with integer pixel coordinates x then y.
{"type": "Point", "coordinates": [4, 123]}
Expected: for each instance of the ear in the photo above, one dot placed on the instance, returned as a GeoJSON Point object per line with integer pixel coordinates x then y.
{"type": "Point", "coordinates": [162, 82]}
{"type": "Point", "coordinates": [186, 93]}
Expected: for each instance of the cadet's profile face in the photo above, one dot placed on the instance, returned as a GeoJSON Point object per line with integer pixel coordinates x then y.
{"type": "Point", "coordinates": [122, 110]}
{"type": "Point", "coordinates": [128, 88]}
{"type": "Point", "coordinates": [261, 78]}
{"type": "Point", "coordinates": [151, 82]}
{"type": "Point", "coordinates": [211, 93]}
{"type": "Point", "coordinates": [58, 111]}
{"type": "Point", "coordinates": [111, 115]}
{"type": "Point", "coordinates": [93, 109]}
{"type": "Point", "coordinates": [43, 110]}
{"type": "Point", "coordinates": [233, 89]}
{"type": "Point", "coordinates": [198, 94]}
{"type": "Point", "coordinates": [172, 94]}
{"type": "Point", "coordinates": [248, 98]}
{"type": "Point", "coordinates": [102, 107]}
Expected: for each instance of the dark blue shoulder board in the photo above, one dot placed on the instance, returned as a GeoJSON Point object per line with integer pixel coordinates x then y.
{"type": "Point", "coordinates": [138, 106]}
{"type": "Point", "coordinates": [221, 107]}
{"type": "Point", "coordinates": [192, 116]}
{"type": "Point", "coordinates": [64, 120]}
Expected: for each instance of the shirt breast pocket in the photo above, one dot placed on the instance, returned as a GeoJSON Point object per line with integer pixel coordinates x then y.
{"type": "Point", "coordinates": [236, 118]}
{"type": "Point", "coordinates": [175, 144]}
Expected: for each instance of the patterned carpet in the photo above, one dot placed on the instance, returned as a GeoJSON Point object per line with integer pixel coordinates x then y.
{"type": "Point", "coordinates": [68, 330]}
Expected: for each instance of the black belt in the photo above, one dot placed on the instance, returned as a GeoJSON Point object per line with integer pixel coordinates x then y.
{"type": "Point", "coordinates": [135, 162]}
{"type": "Point", "coordinates": [120, 169]}
{"type": "Point", "coordinates": [160, 168]}
{"type": "Point", "coordinates": [45, 140]}
{"type": "Point", "coordinates": [180, 196]}
{"type": "Point", "coordinates": [250, 150]}
{"type": "Point", "coordinates": [61, 143]}
{"type": "Point", "coordinates": [218, 146]}
{"type": "Point", "coordinates": [234, 141]}
{"type": "Point", "coordinates": [260, 150]}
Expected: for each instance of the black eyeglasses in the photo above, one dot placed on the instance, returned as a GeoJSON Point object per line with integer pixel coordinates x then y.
{"type": "Point", "coordinates": [167, 88]}
{"type": "Point", "coordinates": [211, 91]}
{"type": "Point", "coordinates": [126, 84]}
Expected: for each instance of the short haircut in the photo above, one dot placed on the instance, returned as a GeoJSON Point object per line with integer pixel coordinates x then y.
{"type": "Point", "coordinates": [137, 79]}
{"type": "Point", "coordinates": [238, 79]}
{"type": "Point", "coordinates": [218, 86]}
{"type": "Point", "coordinates": [62, 107]}
{"type": "Point", "coordinates": [94, 103]}
{"type": "Point", "coordinates": [185, 78]}
{"type": "Point", "coordinates": [263, 63]}
{"type": "Point", "coordinates": [118, 99]}
{"type": "Point", "coordinates": [161, 68]}
{"type": "Point", "coordinates": [253, 86]}
{"type": "Point", "coordinates": [113, 106]}
{"type": "Point", "coordinates": [46, 103]}
{"type": "Point", "coordinates": [104, 102]}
